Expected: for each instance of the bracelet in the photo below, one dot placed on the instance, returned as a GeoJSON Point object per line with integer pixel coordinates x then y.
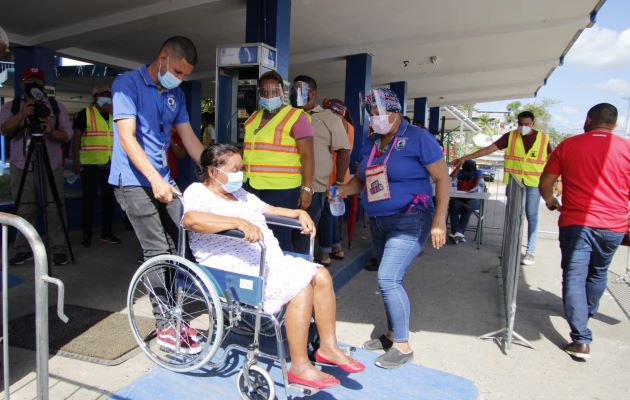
{"type": "Point", "coordinates": [307, 189]}
{"type": "Point", "coordinates": [339, 183]}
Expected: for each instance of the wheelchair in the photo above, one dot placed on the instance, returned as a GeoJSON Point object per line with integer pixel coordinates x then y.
{"type": "Point", "coordinates": [202, 306]}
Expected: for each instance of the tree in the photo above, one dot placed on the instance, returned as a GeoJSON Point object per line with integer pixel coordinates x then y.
{"type": "Point", "coordinates": [542, 115]}
{"type": "Point", "coordinates": [207, 104]}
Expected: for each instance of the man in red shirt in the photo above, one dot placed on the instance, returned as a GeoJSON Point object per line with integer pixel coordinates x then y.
{"type": "Point", "coordinates": [595, 170]}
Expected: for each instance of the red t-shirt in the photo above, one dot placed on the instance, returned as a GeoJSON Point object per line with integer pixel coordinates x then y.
{"type": "Point", "coordinates": [595, 169]}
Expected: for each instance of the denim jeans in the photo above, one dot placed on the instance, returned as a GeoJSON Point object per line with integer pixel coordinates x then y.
{"type": "Point", "coordinates": [287, 198]}
{"type": "Point", "coordinates": [460, 211]}
{"type": "Point", "coordinates": [586, 254]}
{"type": "Point", "coordinates": [328, 231]}
{"type": "Point", "coordinates": [532, 202]}
{"type": "Point", "coordinates": [397, 240]}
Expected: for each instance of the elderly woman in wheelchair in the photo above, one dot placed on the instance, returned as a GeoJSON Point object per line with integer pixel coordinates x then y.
{"type": "Point", "coordinates": [218, 204]}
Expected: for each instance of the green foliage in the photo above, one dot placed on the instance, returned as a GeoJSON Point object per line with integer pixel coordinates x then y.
{"type": "Point", "coordinates": [207, 104]}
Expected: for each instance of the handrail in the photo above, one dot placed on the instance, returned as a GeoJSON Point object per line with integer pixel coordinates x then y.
{"type": "Point", "coordinates": [41, 301]}
{"type": "Point", "coordinates": [463, 118]}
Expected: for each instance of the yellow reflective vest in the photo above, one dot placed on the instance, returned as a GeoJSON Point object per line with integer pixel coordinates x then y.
{"type": "Point", "coordinates": [97, 140]}
{"type": "Point", "coordinates": [270, 156]}
{"type": "Point", "coordinates": [526, 167]}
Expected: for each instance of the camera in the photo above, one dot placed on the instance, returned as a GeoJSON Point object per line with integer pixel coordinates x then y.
{"type": "Point", "coordinates": [40, 109]}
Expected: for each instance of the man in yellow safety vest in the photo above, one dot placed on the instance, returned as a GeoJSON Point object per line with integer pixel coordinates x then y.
{"type": "Point", "coordinates": [278, 153]}
{"type": "Point", "coordinates": [526, 153]}
{"type": "Point", "coordinates": [92, 150]}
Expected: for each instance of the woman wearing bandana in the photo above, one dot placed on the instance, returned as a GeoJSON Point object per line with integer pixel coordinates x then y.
{"type": "Point", "coordinates": [394, 175]}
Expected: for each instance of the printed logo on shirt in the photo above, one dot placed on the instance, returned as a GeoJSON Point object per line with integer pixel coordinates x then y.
{"type": "Point", "coordinates": [170, 102]}
{"type": "Point", "coordinates": [376, 187]}
{"type": "Point", "coordinates": [533, 154]}
{"type": "Point", "coordinates": [400, 144]}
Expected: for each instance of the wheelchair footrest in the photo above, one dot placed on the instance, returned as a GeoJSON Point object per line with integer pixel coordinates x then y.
{"type": "Point", "coordinates": [301, 390]}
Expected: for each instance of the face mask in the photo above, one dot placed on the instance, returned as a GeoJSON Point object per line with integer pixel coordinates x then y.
{"type": "Point", "coordinates": [168, 80]}
{"type": "Point", "coordinates": [103, 101]}
{"type": "Point", "coordinates": [380, 124]}
{"type": "Point", "coordinates": [526, 130]}
{"type": "Point", "coordinates": [271, 104]}
{"type": "Point", "coordinates": [234, 183]}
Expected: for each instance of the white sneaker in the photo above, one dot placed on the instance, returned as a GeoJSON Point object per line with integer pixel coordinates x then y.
{"type": "Point", "coordinates": [528, 259]}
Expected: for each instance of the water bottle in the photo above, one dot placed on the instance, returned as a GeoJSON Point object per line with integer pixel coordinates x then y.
{"type": "Point", "coordinates": [337, 205]}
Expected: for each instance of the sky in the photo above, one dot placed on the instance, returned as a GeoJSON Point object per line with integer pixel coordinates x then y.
{"type": "Point", "coordinates": [596, 70]}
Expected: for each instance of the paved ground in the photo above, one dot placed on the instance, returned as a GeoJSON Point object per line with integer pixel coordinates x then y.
{"type": "Point", "coordinates": [455, 294]}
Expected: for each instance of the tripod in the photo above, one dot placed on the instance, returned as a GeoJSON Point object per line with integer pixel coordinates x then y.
{"type": "Point", "coordinates": [43, 175]}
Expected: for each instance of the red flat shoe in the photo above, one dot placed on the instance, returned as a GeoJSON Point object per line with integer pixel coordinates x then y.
{"type": "Point", "coordinates": [324, 383]}
{"type": "Point", "coordinates": [351, 367]}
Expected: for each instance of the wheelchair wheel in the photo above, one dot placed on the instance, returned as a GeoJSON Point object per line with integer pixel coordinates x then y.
{"type": "Point", "coordinates": [175, 313]}
{"type": "Point", "coordinates": [261, 385]}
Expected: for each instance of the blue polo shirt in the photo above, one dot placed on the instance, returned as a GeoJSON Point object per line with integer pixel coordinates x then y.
{"type": "Point", "coordinates": [136, 96]}
{"type": "Point", "coordinates": [406, 168]}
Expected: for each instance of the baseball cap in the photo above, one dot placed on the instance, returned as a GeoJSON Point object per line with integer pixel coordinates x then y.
{"type": "Point", "coordinates": [33, 72]}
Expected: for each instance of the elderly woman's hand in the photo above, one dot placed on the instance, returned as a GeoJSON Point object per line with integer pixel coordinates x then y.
{"type": "Point", "coordinates": [308, 226]}
{"type": "Point", "coordinates": [252, 232]}
{"type": "Point", "coordinates": [438, 233]}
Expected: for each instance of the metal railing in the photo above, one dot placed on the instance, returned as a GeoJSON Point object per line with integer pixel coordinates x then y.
{"type": "Point", "coordinates": [41, 301]}
{"type": "Point", "coordinates": [510, 266]}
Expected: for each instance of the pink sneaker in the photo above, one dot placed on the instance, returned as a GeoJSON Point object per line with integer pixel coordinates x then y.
{"type": "Point", "coordinates": [190, 332]}
{"type": "Point", "coordinates": [168, 338]}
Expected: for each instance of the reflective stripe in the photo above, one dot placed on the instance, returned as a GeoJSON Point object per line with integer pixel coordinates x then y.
{"type": "Point", "coordinates": [96, 148]}
{"type": "Point", "coordinates": [518, 162]}
{"type": "Point", "coordinates": [278, 136]}
{"type": "Point", "coordinates": [251, 119]}
{"type": "Point", "coordinates": [97, 140]}
{"type": "Point", "coordinates": [98, 133]}
{"type": "Point", "coordinates": [274, 168]}
{"type": "Point", "coordinates": [520, 172]}
{"type": "Point", "coordinates": [270, 147]}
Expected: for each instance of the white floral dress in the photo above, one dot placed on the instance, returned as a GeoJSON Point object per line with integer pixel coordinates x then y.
{"type": "Point", "coordinates": [285, 275]}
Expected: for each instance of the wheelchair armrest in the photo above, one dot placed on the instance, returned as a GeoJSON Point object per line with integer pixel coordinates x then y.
{"type": "Point", "coordinates": [235, 233]}
{"type": "Point", "coordinates": [283, 221]}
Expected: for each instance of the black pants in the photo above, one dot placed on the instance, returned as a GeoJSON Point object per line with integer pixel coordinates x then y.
{"type": "Point", "coordinates": [93, 180]}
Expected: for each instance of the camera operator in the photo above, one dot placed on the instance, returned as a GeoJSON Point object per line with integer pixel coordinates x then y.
{"type": "Point", "coordinates": [31, 116]}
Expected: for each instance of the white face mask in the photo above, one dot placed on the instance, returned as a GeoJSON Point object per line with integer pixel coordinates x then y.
{"type": "Point", "coordinates": [380, 124]}
{"type": "Point", "coordinates": [525, 130]}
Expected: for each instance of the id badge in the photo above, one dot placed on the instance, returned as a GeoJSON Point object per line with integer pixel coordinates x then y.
{"type": "Point", "coordinates": [376, 183]}
{"type": "Point", "coordinates": [164, 158]}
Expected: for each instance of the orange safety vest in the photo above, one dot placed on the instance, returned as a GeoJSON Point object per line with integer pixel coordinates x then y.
{"type": "Point", "coordinates": [270, 155]}
{"type": "Point", "coordinates": [526, 167]}
{"type": "Point", "coordinates": [98, 139]}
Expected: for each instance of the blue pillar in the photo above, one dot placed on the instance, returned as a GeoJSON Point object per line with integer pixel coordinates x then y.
{"type": "Point", "coordinates": [358, 79]}
{"type": "Point", "coordinates": [420, 110]}
{"type": "Point", "coordinates": [434, 120]}
{"type": "Point", "coordinates": [186, 167]}
{"type": "Point", "coordinates": [33, 56]}
{"type": "Point", "coordinates": [400, 88]}
{"type": "Point", "coordinates": [269, 21]}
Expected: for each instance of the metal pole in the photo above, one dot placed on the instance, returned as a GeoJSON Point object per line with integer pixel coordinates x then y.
{"type": "Point", "coordinates": [5, 310]}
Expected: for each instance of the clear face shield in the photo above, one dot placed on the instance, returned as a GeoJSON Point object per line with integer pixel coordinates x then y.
{"type": "Point", "coordinates": [270, 95]}
{"type": "Point", "coordinates": [298, 95]}
{"type": "Point", "coordinates": [377, 105]}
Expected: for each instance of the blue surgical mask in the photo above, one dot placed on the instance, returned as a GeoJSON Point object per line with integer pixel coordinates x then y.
{"type": "Point", "coordinates": [271, 104]}
{"type": "Point", "coordinates": [168, 80]}
{"type": "Point", "coordinates": [103, 101]}
{"type": "Point", "coordinates": [234, 183]}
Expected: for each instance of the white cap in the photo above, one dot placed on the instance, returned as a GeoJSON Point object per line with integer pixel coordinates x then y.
{"type": "Point", "coordinates": [3, 37]}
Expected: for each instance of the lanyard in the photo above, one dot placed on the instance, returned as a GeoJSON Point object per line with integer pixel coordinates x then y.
{"type": "Point", "coordinates": [389, 153]}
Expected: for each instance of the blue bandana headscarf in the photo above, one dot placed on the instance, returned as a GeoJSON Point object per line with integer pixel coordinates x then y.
{"type": "Point", "coordinates": [389, 98]}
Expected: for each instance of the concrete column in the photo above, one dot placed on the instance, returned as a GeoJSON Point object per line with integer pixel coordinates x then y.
{"type": "Point", "coordinates": [420, 110]}
{"type": "Point", "coordinates": [33, 56]}
{"type": "Point", "coordinates": [434, 120]}
{"type": "Point", "coordinates": [186, 167]}
{"type": "Point", "coordinates": [358, 79]}
{"type": "Point", "coordinates": [400, 88]}
{"type": "Point", "coordinates": [269, 21]}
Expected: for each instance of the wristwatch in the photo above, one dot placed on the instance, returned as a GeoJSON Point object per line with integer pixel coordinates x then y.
{"type": "Point", "coordinates": [307, 189]}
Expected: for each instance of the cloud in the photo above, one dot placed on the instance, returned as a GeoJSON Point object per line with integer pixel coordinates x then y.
{"type": "Point", "coordinates": [619, 87]}
{"type": "Point", "coordinates": [568, 110]}
{"type": "Point", "coordinates": [599, 47]}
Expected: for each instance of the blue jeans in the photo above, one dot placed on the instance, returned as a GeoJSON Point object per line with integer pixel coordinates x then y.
{"type": "Point", "coordinates": [328, 231]}
{"type": "Point", "coordinates": [397, 240]}
{"type": "Point", "coordinates": [460, 211]}
{"type": "Point", "coordinates": [586, 254]}
{"type": "Point", "coordinates": [532, 201]}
